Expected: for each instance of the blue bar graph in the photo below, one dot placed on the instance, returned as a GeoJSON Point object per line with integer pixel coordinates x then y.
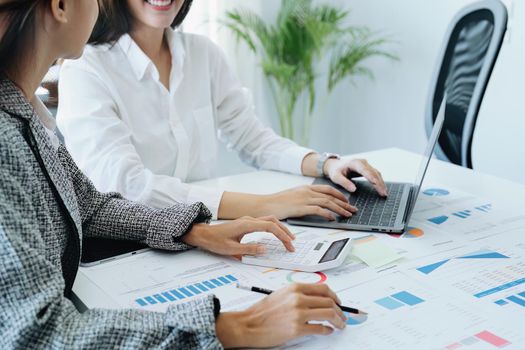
{"type": "Point", "coordinates": [517, 300]}
{"type": "Point", "coordinates": [485, 208]}
{"type": "Point", "coordinates": [389, 303]}
{"type": "Point", "coordinates": [209, 284]}
{"type": "Point", "coordinates": [141, 302]}
{"type": "Point", "coordinates": [501, 302]}
{"type": "Point", "coordinates": [168, 296]}
{"type": "Point", "coordinates": [201, 287]}
{"type": "Point", "coordinates": [225, 280]}
{"type": "Point", "coordinates": [177, 294]}
{"type": "Point", "coordinates": [217, 283]}
{"type": "Point", "coordinates": [194, 290]}
{"type": "Point", "coordinates": [463, 214]}
{"type": "Point", "coordinates": [159, 298]}
{"type": "Point", "coordinates": [522, 294]}
{"type": "Point", "coordinates": [398, 300]}
{"type": "Point", "coordinates": [187, 291]}
{"type": "Point", "coordinates": [231, 278]}
{"type": "Point", "coordinates": [407, 298]}
{"type": "Point", "coordinates": [150, 300]}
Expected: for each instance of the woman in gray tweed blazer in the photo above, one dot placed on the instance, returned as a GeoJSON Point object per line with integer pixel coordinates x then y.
{"type": "Point", "coordinates": [47, 205]}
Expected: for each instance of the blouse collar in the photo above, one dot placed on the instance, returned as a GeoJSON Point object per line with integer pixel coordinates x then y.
{"type": "Point", "coordinates": [141, 63]}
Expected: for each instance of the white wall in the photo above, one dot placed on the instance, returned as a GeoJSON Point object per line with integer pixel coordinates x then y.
{"type": "Point", "coordinates": [499, 142]}
{"type": "Point", "coordinates": [388, 111]}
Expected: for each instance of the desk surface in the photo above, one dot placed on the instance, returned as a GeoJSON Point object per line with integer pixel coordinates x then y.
{"type": "Point", "coordinates": [395, 165]}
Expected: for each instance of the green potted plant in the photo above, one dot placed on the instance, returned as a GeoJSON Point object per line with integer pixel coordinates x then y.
{"type": "Point", "coordinates": [296, 49]}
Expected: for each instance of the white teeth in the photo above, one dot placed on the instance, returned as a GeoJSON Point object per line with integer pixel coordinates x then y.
{"type": "Point", "coordinates": [159, 3]}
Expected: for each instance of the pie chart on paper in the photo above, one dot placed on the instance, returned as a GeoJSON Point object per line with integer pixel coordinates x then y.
{"type": "Point", "coordinates": [354, 320]}
{"type": "Point", "coordinates": [413, 232]}
{"type": "Point", "coordinates": [306, 277]}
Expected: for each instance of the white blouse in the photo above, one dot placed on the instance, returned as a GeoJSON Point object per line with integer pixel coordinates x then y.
{"type": "Point", "coordinates": [47, 120]}
{"type": "Point", "coordinates": [130, 134]}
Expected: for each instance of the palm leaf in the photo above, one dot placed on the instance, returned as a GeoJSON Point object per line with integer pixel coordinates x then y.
{"type": "Point", "coordinates": [292, 49]}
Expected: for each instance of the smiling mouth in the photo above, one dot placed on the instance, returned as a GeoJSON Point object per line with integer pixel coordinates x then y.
{"type": "Point", "coordinates": [160, 4]}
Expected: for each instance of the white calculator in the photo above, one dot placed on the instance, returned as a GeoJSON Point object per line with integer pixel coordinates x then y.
{"type": "Point", "coordinates": [309, 256]}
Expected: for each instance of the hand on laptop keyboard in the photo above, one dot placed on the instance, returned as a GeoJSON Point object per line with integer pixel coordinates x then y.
{"type": "Point", "coordinates": [338, 170]}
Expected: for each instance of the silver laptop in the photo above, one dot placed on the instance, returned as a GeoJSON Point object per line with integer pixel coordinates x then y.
{"type": "Point", "coordinates": [376, 213]}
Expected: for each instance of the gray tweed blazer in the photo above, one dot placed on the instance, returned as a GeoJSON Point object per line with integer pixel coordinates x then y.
{"type": "Point", "coordinates": [46, 205]}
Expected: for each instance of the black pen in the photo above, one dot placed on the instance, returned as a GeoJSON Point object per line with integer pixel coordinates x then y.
{"type": "Point", "coordinates": [268, 292]}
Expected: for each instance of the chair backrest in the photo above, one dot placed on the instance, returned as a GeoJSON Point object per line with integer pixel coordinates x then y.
{"type": "Point", "coordinates": [466, 61]}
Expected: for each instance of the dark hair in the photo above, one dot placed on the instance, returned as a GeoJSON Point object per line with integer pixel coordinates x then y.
{"type": "Point", "coordinates": [115, 20]}
{"type": "Point", "coordinates": [18, 21]}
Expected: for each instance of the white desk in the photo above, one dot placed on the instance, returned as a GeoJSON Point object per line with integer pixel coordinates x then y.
{"type": "Point", "coordinates": [395, 164]}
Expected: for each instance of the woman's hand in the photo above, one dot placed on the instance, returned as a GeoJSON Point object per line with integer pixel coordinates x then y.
{"type": "Point", "coordinates": [225, 239]}
{"type": "Point", "coordinates": [340, 170]}
{"type": "Point", "coordinates": [319, 200]}
{"type": "Point", "coordinates": [282, 316]}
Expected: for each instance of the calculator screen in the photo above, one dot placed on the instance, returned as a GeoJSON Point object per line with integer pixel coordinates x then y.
{"type": "Point", "coordinates": [334, 250]}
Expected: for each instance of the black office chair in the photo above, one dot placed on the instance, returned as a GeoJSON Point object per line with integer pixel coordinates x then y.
{"type": "Point", "coordinates": [470, 50]}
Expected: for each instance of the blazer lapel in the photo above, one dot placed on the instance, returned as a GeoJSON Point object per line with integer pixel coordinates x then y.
{"type": "Point", "coordinates": [14, 103]}
{"type": "Point", "coordinates": [55, 170]}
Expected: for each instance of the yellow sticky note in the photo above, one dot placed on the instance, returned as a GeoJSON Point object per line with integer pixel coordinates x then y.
{"type": "Point", "coordinates": [374, 253]}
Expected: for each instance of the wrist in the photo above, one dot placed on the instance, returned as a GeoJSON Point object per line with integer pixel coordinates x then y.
{"type": "Point", "coordinates": [235, 205]}
{"type": "Point", "coordinates": [232, 329]}
{"type": "Point", "coordinates": [328, 164]}
{"type": "Point", "coordinates": [265, 204]}
{"type": "Point", "coordinates": [197, 235]}
{"type": "Point", "coordinates": [308, 166]}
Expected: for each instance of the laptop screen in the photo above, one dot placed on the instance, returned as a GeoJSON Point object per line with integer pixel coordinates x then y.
{"type": "Point", "coordinates": [436, 131]}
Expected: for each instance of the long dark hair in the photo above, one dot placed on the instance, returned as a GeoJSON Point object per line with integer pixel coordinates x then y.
{"type": "Point", "coordinates": [18, 21]}
{"type": "Point", "coordinates": [115, 20]}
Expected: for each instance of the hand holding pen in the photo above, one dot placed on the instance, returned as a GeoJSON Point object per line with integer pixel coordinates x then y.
{"type": "Point", "coordinates": [268, 292]}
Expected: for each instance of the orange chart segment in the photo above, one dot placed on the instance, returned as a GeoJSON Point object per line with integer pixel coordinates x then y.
{"type": "Point", "coordinates": [306, 277]}
{"type": "Point", "coordinates": [411, 232]}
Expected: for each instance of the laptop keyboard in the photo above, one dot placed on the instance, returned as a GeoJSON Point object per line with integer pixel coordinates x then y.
{"type": "Point", "coordinates": [374, 210]}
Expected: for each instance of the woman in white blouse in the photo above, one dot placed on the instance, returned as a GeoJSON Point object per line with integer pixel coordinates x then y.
{"type": "Point", "coordinates": [144, 108]}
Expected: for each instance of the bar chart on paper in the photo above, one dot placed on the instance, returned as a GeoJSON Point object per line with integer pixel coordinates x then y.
{"type": "Point", "coordinates": [485, 339]}
{"type": "Point", "coordinates": [186, 291]}
{"type": "Point", "coordinates": [514, 299]}
{"type": "Point", "coordinates": [451, 209]}
{"type": "Point", "coordinates": [163, 283]}
{"type": "Point", "coordinates": [461, 214]}
{"type": "Point", "coordinates": [398, 300]}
